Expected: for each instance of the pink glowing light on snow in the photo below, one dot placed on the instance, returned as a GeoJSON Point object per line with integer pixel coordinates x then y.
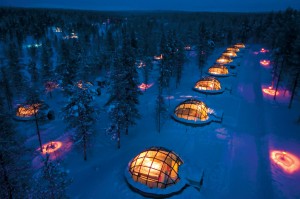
{"type": "Point", "coordinates": [288, 162]}
{"type": "Point", "coordinates": [263, 50]}
{"type": "Point", "coordinates": [51, 147]}
{"type": "Point", "coordinates": [265, 62]}
{"type": "Point", "coordinates": [144, 86]}
{"type": "Point", "coordinates": [270, 91]}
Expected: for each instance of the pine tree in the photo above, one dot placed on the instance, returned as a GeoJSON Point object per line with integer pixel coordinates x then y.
{"type": "Point", "coordinates": [179, 60]}
{"type": "Point", "coordinates": [202, 47]}
{"type": "Point", "coordinates": [51, 181]}
{"type": "Point", "coordinates": [47, 54]}
{"type": "Point", "coordinates": [117, 101]}
{"type": "Point", "coordinates": [15, 69]}
{"type": "Point", "coordinates": [80, 114]}
{"type": "Point", "coordinates": [14, 167]}
{"type": "Point", "coordinates": [6, 88]}
{"type": "Point", "coordinates": [124, 90]}
{"type": "Point", "coordinates": [130, 83]}
{"type": "Point", "coordinates": [32, 65]}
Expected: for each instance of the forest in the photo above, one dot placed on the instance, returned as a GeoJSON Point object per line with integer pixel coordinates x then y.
{"type": "Point", "coordinates": [79, 55]}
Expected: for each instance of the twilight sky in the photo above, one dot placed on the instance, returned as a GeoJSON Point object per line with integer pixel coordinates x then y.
{"type": "Point", "coordinates": [186, 5]}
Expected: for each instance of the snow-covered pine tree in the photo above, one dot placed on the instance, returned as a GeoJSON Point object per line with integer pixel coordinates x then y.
{"type": "Point", "coordinates": [72, 62]}
{"type": "Point", "coordinates": [202, 47]}
{"type": "Point", "coordinates": [14, 65]}
{"type": "Point", "coordinates": [130, 83]}
{"type": "Point", "coordinates": [46, 68]}
{"type": "Point", "coordinates": [32, 65]}
{"type": "Point", "coordinates": [179, 60]}
{"type": "Point", "coordinates": [6, 88]}
{"type": "Point", "coordinates": [116, 101]}
{"type": "Point", "coordinates": [51, 181]}
{"type": "Point", "coordinates": [165, 73]}
{"type": "Point", "coordinates": [14, 167]}
{"type": "Point", "coordinates": [79, 113]}
{"type": "Point", "coordinates": [146, 69]}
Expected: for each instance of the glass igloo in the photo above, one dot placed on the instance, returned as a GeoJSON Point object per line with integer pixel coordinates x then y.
{"type": "Point", "coordinates": [229, 53]}
{"type": "Point", "coordinates": [239, 45]}
{"type": "Point", "coordinates": [218, 70]}
{"type": "Point", "coordinates": [224, 60]}
{"type": "Point", "coordinates": [192, 111]}
{"type": "Point", "coordinates": [208, 85]}
{"type": "Point", "coordinates": [155, 171]}
{"type": "Point", "coordinates": [232, 48]}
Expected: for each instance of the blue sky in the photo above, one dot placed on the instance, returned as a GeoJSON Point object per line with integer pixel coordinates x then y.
{"type": "Point", "coordinates": [186, 5]}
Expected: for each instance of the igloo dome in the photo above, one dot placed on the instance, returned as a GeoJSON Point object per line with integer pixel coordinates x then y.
{"type": "Point", "coordinates": [192, 112]}
{"type": "Point", "coordinates": [208, 85]}
{"type": "Point", "coordinates": [155, 171]}
{"type": "Point", "coordinates": [218, 70]}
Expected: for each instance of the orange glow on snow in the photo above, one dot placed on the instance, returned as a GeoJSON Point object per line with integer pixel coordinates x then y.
{"type": "Point", "coordinates": [263, 50]}
{"type": "Point", "coordinates": [144, 86]}
{"type": "Point", "coordinates": [51, 147]}
{"type": "Point", "coordinates": [270, 91]}
{"type": "Point", "coordinates": [265, 62]}
{"type": "Point", "coordinates": [287, 161]}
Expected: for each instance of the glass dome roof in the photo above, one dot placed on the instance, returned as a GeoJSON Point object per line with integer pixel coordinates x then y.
{"type": "Point", "coordinates": [218, 69]}
{"type": "Point", "coordinates": [191, 109]}
{"type": "Point", "coordinates": [156, 167]}
{"type": "Point", "coordinates": [208, 83]}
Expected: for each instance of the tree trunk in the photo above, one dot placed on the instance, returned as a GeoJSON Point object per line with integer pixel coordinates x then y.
{"type": "Point", "coordinates": [119, 138]}
{"type": "Point", "coordinates": [50, 93]}
{"type": "Point", "coordinates": [294, 90]}
{"type": "Point", "coordinates": [37, 128]}
{"type": "Point", "coordinates": [126, 130]}
{"type": "Point", "coordinates": [279, 76]}
{"type": "Point", "coordinates": [84, 147]}
{"type": "Point", "coordinates": [159, 107]}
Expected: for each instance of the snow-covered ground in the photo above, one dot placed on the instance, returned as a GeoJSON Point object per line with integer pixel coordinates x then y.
{"type": "Point", "coordinates": [234, 154]}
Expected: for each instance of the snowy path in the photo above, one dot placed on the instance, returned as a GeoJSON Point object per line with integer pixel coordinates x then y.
{"type": "Point", "coordinates": [249, 171]}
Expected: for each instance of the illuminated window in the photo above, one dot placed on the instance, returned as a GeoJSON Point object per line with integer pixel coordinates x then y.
{"type": "Point", "coordinates": [156, 168]}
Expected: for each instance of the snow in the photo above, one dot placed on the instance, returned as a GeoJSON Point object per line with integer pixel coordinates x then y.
{"type": "Point", "coordinates": [234, 154]}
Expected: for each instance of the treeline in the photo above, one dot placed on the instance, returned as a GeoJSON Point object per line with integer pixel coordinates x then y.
{"type": "Point", "coordinates": [41, 48]}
